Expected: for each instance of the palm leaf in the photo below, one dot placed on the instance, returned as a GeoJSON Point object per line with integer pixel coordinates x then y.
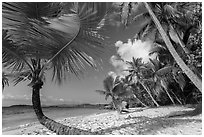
{"type": "Point", "coordinates": [84, 49]}
{"type": "Point", "coordinates": [165, 71]}
{"type": "Point", "coordinates": [21, 76]}
{"type": "Point", "coordinates": [5, 81]}
{"type": "Point", "coordinates": [155, 64]}
{"type": "Point", "coordinates": [13, 56]}
{"type": "Point", "coordinates": [179, 78]}
{"type": "Point", "coordinates": [118, 89]}
{"type": "Point", "coordinates": [157, 48]}
{"type": "Point", "coordinates": [102, 92]}
{"type": "Point", "coordinates": [69, 40]}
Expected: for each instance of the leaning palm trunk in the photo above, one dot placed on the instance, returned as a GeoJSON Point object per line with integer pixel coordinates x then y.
{"type": "Point", "coordinates": [166, 90]}
{"type": "Point", "coordinates": [148, 91]}
{"type": "Point", "coordinates": [181, 43]}
{"type": "Point", "coordinates": [140, 100]}
{"type": "Point", "coordinates": [185, 49]}
{"type": "Point", "coordinates": [52, 125]}
{"type": "Point", "coordinates": [196, 81]}
{"type": "Point", "coordinates": [177, 98]}
{"type": "Point", "coordinates": [172, 100]}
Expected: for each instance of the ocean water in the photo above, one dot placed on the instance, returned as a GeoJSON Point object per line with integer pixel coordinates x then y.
{"type": "Point", "coordinates": [13, 117]}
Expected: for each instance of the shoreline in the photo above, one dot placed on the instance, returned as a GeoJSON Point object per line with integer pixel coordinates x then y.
{"type": "Point", "coordinates": [149, 121]}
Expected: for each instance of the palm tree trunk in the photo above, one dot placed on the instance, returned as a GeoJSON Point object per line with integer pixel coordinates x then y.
{"type": "Point", "coordinates": [52, 125]}
{"type": "Point", "coordinates": [181, 43]}
{"type": "Point", "coordinates": [139, 100]}
{"type": "Point", "coordinates": [166, 90]}
{"type": "Point", "coordinates": [186, 50]}
{"type": "Point", "coordinates": [114, 101]}
{"type": "Point", "coordinates": [177, 98]}
{"type": "Point", "coordinates": [148, 91]}
{"type": "Point", "coordinates": [196, 81]}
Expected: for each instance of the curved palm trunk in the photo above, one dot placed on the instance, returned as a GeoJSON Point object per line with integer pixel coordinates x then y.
{"type": "Point", "coordinates": [196, 81]}
{"type": "Point", "coordinates": [148, 91]}
{"type": "Point", "coordinates": [52, 125]}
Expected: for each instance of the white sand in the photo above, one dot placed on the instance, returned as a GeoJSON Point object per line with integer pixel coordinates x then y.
{"type": "Point", "coordinates": [149, 121]}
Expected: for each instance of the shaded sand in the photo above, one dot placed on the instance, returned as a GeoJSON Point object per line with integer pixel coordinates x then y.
{"type": "Point", "coordinates": [142, 121]}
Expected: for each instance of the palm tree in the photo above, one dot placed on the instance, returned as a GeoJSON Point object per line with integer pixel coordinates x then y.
{"type": "Point", "coordinates": [136, 67]}
{"type": "Point", "coordinates": [61, 37]}
{"type": "Point", "coordinates": [109, 84]}
{"type": "Point", "coordinates": [195, 80]}
{"type": "Point", "coordinates": [160, 27]}
{"type": "Point", "coordinates": [171, 16]}
{"type": "Point", "coordinates": [163, 76]}
{"type": "Point", "coordinates": [173, 52]}
{"type": "Point", "coordinates": [128, 90]}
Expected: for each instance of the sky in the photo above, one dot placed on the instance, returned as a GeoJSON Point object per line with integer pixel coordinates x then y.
{"type": "Point", "coordinates": [75, 91]}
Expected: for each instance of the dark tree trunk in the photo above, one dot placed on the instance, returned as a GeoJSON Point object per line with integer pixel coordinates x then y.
{"type": "Point", "coordinates": [52, 125]}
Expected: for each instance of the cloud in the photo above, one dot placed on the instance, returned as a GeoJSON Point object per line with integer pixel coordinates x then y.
{"type": "Point", "coordinates": [119, 66]}
{"type": "Point", "coordinates": [126, 51]}
{"type": "Point", "coordinates": [62, 100]}
{"type": "Point", "coordinates": [16, 97]}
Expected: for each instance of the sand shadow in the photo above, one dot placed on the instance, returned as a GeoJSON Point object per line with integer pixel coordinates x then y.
{"type": "Point", "coordinates": [148, 126]}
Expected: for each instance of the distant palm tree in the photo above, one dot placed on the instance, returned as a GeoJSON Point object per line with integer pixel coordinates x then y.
{"type": "Point", "coordinates": [111, 89]}
{"type": "Point", "coordinates": [128, 90]}
{"type": "Point", "coordinates": [135, 69]}
{"type": "Point", "coordinates": [60, 37]}
{"type": "Point", "coordinates": [161, 27]}
{"type": "Point", "coordinates": [163, 76]}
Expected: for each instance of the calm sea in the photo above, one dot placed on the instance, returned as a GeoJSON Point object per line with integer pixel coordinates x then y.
{"type": "Point", "coordinates": [14, 117]}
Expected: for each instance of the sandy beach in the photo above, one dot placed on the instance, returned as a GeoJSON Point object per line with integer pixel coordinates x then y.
{"type": "Point", "coordinates": [140, 121]}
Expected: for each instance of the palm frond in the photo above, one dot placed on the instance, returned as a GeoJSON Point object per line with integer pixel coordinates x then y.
{"type": "Point", "coordinates": [5, 80]}
{"type": "Point", "coordinates": [118, 89]}
{"type": "Point", "coordinates": [179, 78]}
{"type": "Point", "coordinates": [69, 39]}
{"type": "Point", "coordinates": [84, 49]}
{"type": "Point", "coordinates": [125, 13]}
{"type": "Point", "coordinates": [171, 11]}
{"type": "Point", "coordinates": [165, 71]}
{"type": "Point", "coordinates": [22, 76]}
{"type": "Point", "coordinates": [34, 10]}
{"type": "Point", "coordinates": [157, 48]}
{"type": "Point", "coordinates": [155, 64]}
{"type": "Point", "coordinates": [102, 92]}
{"type": "Point", "coordinates": [13, 56]}
{"type": "Point", "coordinates": [148, 30]}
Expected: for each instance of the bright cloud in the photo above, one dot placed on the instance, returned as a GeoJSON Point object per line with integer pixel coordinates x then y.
{"type": "Point", "coordinates": [126, 51]}
{"type": "Point", "coordinates": [62, 100]}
